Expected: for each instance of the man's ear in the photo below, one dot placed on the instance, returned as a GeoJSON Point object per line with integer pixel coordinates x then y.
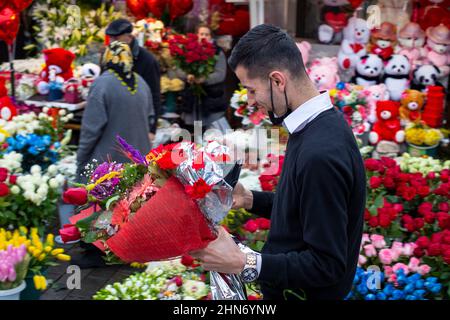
{"type": "Point", "coordinates": [278, 78]}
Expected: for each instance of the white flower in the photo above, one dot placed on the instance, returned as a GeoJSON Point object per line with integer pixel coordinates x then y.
{"type": "Point", "coordinates": [60, 179]}
{"type": "Point", "coordinates": [35, 170]}
{"type": "Point", "coordinates": [15, 190]}
{"type": "Point", "coordinates": [52, 170]}
{"type": "Point", "coordinates": [53, 183]}
{"type": "Point", "coordinates": [42, 191]}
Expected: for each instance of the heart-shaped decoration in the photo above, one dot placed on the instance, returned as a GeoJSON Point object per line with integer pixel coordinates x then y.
{"type": "Point", "coordinates": [336, 20]}
{"type": "Point", "coordinates": [178, 8]}
{"type": "Point", "coordinates": [9, 25]}
{"type": "Point", "coordinates": [157, 7]}
{"type": "Point", "coordinates": [137, 8]}
{"type": "Point", "coordinates": [20, 5]}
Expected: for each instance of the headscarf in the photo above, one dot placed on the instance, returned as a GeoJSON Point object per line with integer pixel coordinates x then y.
{"type": "Point", "coordinates": [119, 60]}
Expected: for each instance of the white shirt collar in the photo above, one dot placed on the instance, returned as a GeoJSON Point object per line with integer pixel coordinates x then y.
{"type": "Point", "coordinates": [307, 112]}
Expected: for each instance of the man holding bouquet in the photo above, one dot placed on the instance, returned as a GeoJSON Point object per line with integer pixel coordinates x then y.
{"type": "Point", "coordinates": [317, 211]}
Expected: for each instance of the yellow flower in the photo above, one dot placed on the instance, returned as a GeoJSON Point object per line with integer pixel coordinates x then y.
{"type": "Point", "coordinates": [63, 257]}
{"type": "Point", "coordinates": [23, 230]}
{"type": "Point", "coordinates": [41, 256]}
{"type": "Point", "coordinates": [432, 137]}
{"type": "Point", "coordinates": [332, 92]}
{"type": "Point", "coordinates": [57, 251]}
{"type": "Point", "coordinates": [40, 283]}
{"type": "Point", "coordinates": [50, 240]}
{"type": "Point", "coordinates": [36, 253]}
{"type": "Point", "coordinates": [48, 249]}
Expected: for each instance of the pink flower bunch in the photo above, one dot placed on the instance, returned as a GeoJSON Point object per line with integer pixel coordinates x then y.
{"type": "Point", "coordinates": [414, 266]}
{"type": "Point", "coordinates": [9, 259]}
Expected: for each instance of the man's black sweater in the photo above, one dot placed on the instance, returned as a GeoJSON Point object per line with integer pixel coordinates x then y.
{"type": "Point", "coordinates": [316, 213]}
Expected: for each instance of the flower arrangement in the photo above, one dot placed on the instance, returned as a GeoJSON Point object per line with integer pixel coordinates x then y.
{"type": "Point", "coordinates": [193, 57]}
{"type": "Point", "coordinates": [250, 114]}
{"type": "Point", "coordinates": [406, 287]}
{"type": "Point", "coordinates": [421, 135]}
{"type": "Point", "coordinates": [57, 25]}
{"type": "Point", "coordinates": [271, 174]}
{"type": "Point", "coordinates": [41, 254]}
{"type": "Point", "coordinates": [132, 196]}
{"type": "Point", "coordinates": [14, 266]}
{"type": "Point", "coordinates": [425, 165]}
{"type": "Point", "coordinates": [168, 280]}
{"type": "Point", "coordinates": [351, 100]}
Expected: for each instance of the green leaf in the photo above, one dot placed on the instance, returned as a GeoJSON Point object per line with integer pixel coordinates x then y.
{"type": "Point", "coordinates": [85, 224]}
{"type": "Point", "coordinates": [379, 201]}
{"type": "Point", "coordinates": [90, 237]}
{"type": "Point", "coordinates": [111, 201]}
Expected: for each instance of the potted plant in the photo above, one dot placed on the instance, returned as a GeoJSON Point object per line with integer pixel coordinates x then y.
{"type": "Point", "coordinates": [14, 263]}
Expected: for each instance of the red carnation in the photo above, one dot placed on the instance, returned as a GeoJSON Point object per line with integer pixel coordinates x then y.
{"type": "Point", "coordinates": [434, 249]}
{"type": "Point", "coordinates": [437, 237]}
{"type": "Point", "coordinates": [443, 219]}
{"type": "Point", "coordinates": [445, 175]}
{"type": "Point", "coordinates": [4, 190]}
{"type": "Point", "coordinates": [431, 175]}
{"type": "Point", "coordinates": [75, 196]}
{"type": "Point", "coordinates": [12, 179]}
{"type": "Point", "coordinates": [251, 226]}
{"type": "Point", "coordinates": [188, 261]}
{"type": "Point", "coordinates": [429, 217]}
{"type": "Point", "coordinates": [388, 162]}
{"type": "Point", "coordinates": [423, 242]}
{"type": "Point", "coordinates": [398, 207]}
{"type": "Point", "coordinates": [418, 252]}
{"type": "Point", "coordinates": [3, 174]}
{"type": "Point", "coordinates": [374, 182]}
{"type": "Point", "coordinates": [367, 214]}
{"type": "Point", "coordinates": [199, 190]}
{"type": "Point", "coordinates": [407, 218]}
{"type": "Point", "coordinates": [410, 227]}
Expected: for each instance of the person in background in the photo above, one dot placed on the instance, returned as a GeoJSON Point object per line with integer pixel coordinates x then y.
{"type": "Point", "coordinates": [145, 64]}
{"type": "Point", "coordinates": [119, 103]}
{"type": "Point", "coordinates": [212, 107]}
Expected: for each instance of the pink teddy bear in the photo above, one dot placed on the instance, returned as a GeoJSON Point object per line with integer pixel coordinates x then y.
{"type": "Point", "coordinates": [376, 93]}
{"type": "Point", "coordinates": [324, 73]}
{"type": "Point", "coordinates": [305, 48]}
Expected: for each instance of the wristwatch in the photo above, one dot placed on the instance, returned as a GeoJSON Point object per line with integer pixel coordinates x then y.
{"type": "Point", "coordinates": [250, 272]}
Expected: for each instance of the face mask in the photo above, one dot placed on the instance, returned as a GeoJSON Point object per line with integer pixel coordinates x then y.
{"type": "Point", "coordinates": [278, 121]}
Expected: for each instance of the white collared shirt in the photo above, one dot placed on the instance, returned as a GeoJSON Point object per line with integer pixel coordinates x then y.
{"type": "Point", "coordinates": [307, 112]}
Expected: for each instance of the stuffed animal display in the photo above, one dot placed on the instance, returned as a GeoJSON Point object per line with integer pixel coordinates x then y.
{"type": "Point", "coordinates": [58, 68]}
{"type": "Point", "coordinates": [368, 70]}
{"type": "Point", "coordinates": [353, 46]}
{"type": "Point", "coordinates": [396, 75]}
{"type": "Point", "coordinates": [388, 125]}
{"type": "Point", "coordinates": [324, 73]}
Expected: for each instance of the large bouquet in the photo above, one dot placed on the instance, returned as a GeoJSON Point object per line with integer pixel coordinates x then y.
{"type": "Point", "coordinates": [193, 56]}
{"type": "Point", "coordinates": [250, 114]}
{"type": "Point", "coordinates": [132, 206]}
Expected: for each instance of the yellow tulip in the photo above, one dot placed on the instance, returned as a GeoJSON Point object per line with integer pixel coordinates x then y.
{"type": "Point", "coordinates": [48, 249]}
{"type": "Point", "coordinates": [37, 282]}
{"type": "Point", "coordinates": [8, 235]}
{"type": "Point", "coordinates": [57, 251]}
{"type": "Point", "coordinates": [43, 283]}
{"type": "Point", "coordinates": [37, 253]}
{"type": "Point", "coordinates": [34, 231]}
{"type": "Point", "coordinates": [63, 257]}
{"type": "Point", "coordinates": [23, 230]}
{"type": "Point", "coordinates": [50, 238]}
{"type": "Point", "coordinates": [42, 256]}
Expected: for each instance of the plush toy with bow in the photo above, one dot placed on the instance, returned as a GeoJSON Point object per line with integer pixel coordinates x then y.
{"type": "Point", "coordinates": [382, 40]}
{"type": "Point", "coordinates": [368, 70]}
{"type": "Point", "coordinates": [388, 125]}
{"type": "Point", "coordinates": [305, 48]}
{"type": "Point", "coordinates": [334, 18]}
{"type": "Point", "coordinates": [58, 68]}
{"type": "Point", "coordinates": [376, 93]}
{"type": "Point", "coordinates": [324, 73]}
{"type": "Point", "coordinates": [437, 48]}
{"type": "Point", "coordinates": [353, 46]}
{"type": "Point", "coordinates": [411, 106]}
{"type": "Point", "coordinates": [411, 40]}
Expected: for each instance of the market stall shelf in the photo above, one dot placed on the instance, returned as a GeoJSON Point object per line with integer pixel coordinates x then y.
{"type": "Point", "coordinates": [40, 101]}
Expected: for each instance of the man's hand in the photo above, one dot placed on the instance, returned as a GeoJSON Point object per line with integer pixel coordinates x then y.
{"type": "Point", "coordinates": [221, 255]}
{"type": "Point", "coordinates": [151, 137]}
{"type": "Point", "coordinates": [242, 198]}
{"type": "Point", "coordinates": [200, 80]}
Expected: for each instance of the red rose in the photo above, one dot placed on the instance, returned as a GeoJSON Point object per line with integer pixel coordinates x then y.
{"type": "Point", "coordinates": [69, 232]}
{"type": "Point", "coordinates": [443, 219]}
{"type": "Point", "coordinates": [410, 227]}
{"type": "Point", "coordinates": [4, 190]}
{"type": "Point", "coordinates": [187, 260]}
{"type": "Point", "coordinates": [437, 237]}
{"type": "Point", "coordinates": [373, 222]}
{"type": "Point", "coordinates": [388, 162]}
{"type": "Point", "coordinates": [398, 207]}
{"type": "Point", "coordinates": [12, 179]}
{"type": "Point", "coordinates": [367, 214]}
{"type": "Point", "coordinates": [385, 220]}
{"type": "Point", "coordinates": [423, 242]}
{"type": "Point", "coordinates": [199, 190]}
{"type": "Point", "coordinates": [431, 175]}
{"type": "Point", "coordinates": [444, 206]}
{"type": "Point", "coordinates": [250, 226]}
{"type": "Point", "coordinates": [418, 223]}
{"type": "Point", "coordinates": [425, 207]}
{"type": "Point", "coordinates": [423, 191]}
{"type": "Point", "coordinates": [418, 252]}
{"type": "Point", "coordinates": [178, 281]}
{"type": "Point", "coordinates": [434, 249]}
{"type": "Point", "coordinates": [375, 182]}
{"type": "Point", "coordinates": [409, 193]}
{"type": "Point", "coordinates": [263, 223]}
{"type": "Point", "coordinates": [3, 174]}
{"type": "Point", "coordinates": [445, 174]}
{"type": "Point", "coordinates": [429, 217]}
{"type": "Point", "coordinates": [389, 182]}
{"type": "Point", "coordinates": [372, 164]}
{"type": "Point", "coordinates": [75, 196]}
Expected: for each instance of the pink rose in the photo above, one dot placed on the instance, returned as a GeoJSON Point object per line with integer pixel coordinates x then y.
{"type": "Point", "coordinates": [385, 256]}
{"type": "Point", "coordinates": [397, 250]}
{"type": "Point", "coordinates": [408, 249]}
{"type": "Point", "coordinates": [365, 238]}
{"type": "Point", "coordinates": [378, 241]}
{"type": "Point", "coordinates": [362, 260]}
{"type": "Point", "coordinates": [388, 271]}
{"type": "Point", "coordinates": [401, 266]}
{"type": "Point", "coordinates": [424, 269]}
{"type": "Point", "coordinates": [370, 250]}
{"type": "Point", "coordinates": [392, 278]}
{"type": "Point", "coordinates": [413, 264]}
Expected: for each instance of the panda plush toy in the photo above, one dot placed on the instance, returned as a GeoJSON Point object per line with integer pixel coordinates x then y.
{"type": "Point", "coordinates": [425, 75]}
{"type": "Point", "coordinates": [396, 75]}
{"type": "Point", "coordinates": [368, 70]}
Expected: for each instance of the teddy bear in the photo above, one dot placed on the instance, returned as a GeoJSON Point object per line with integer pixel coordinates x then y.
{"type": "Point", "coordinates": [334, 17]}
{"type": "Point", "coordinates": [437, 48]}
{"type": "Point", "coordinates": [324, 73]}
{"type": "Point", "coordinates": [58, 68]}
{"type": "Point", "coordinates": [376, 93]}
{"type": "Point", "coordinates": [356, 36]}
{"type": "Point", "coordinates": [368, 70]}
{"type": "Point", "coordinates": [424, 76]}
{"type": "Point", "coordinates": [305, 48]}
{"type": "Point", "coordinates": [411, 40]}
{"type": "Point", "coordinates": [382, 40]}
{"type": "Point", "coordinates": [396, 75]}
{"type": "Point", "coordinates": [388, 125]}
{"type": "Point", "coordinates": [7, 108]}
{"type": "Point", "coordinates": [411, 106]}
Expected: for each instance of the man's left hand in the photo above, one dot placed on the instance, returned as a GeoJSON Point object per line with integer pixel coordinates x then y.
{"type": "Point", "coordinates": [221, 255]}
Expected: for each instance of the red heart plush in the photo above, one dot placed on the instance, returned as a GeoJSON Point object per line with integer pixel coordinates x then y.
{"type": "Point", "coordinates": [235, 24]}
{"type": "Point", "coordinates": [336, 20]}
{"type": "Point", "coordinates": [157, 7]}
{"type": "Point", "coordinates": [9, 25]}
{"type": "Point", "coordinates": [21, 5]}
{"type": "Point", "coordinates": [178, 8]}
{"type": "Point", "coordinates": [137, 8]}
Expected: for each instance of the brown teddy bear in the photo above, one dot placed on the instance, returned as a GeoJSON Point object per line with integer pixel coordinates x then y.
{"type": "Point", "coordinates": [412, 102]}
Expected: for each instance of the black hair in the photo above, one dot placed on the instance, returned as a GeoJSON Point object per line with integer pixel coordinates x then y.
{"type": "Point", "coordinates": [266, 48]}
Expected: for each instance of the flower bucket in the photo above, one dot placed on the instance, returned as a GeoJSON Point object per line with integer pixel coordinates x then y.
{"type": "Point", "coordinates": [14, 293]}
{"type": "Point", "coordinates": [418, 151]}
{"type": "Point", "coordinates": [31, 293]}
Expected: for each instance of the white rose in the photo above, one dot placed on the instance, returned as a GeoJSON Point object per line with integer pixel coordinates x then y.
{"type": "Point", "coordinates": [35, 170]}
{"type": "Point", "coordinates": [53, 183]}
{"type": "Point", "coordinates": [36, 199]}
{"type": "Point", "coordinates": [69, 116]}
{"type": "Point", "coordinates": [42, 192]}
{"type": "Point", "coordinates": [52, 170]}
{"type": "Point", "coordinates": [45, 109]}
{"type": "Point", "coordinates": [62, 112]}
{"type": "Point", "coordinates": [15, 190]}
{"type": "Point", "coordinates": [28, 195]}
{"type": "Point", "coordinates": [60, 179]}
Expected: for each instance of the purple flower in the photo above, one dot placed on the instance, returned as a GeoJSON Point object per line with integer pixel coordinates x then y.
{"type": "Point", "coordinates": [129, 151]}
{"type": "Point", "coordinates": [9, 258]}
{"type": "Point", "coordinates": [107, 187]}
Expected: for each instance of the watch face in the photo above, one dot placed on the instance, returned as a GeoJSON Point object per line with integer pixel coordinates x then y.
{"type": "Point", "coordinates": [249, 274]}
